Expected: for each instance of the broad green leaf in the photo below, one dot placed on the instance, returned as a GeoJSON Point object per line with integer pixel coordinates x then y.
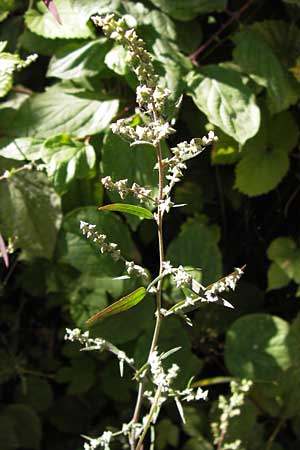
{"type": "Point", "coordinates": [30, 210]}
{"type": "Point", "coordinates": [259, 62]}
{"type": "Point", "coordinates": [35, 392]}
{"type": "Point", "coordinates": [67, 159]}
{"type": "Point", "coordinates": [226, 150]}
{"type": "Point", "coordinates": [116, 60]}
{"type": "Point", "coordinates": [277, 278]}
{"type": "Point", "coordinates": [79, 60]}
{"type": "Point", "coordinates": [9, 63]}
{"type": "Point", "coordinates": [188, 9]}
{"type": "Point", "coordinates": [74, 16]}
{"type": "Point", "coordinates": [75, 249]}
{"type": "Point", "coordinates": [121, 161]}
{"type": "Point", "coordinates": [21, 148]}
{"type": "Point", "coordinates": [271, 31]}
{"type": "Point", "coordinates": [6, 7]}
{"type": "Point", "coordinates": [55, 112]}
{"type": "Point", "coordinates": [265, 159]}
{"type": "Point", "coordinates": [227, 102]}
{"type": "Point", "coordinates": [166, 434]}
{"type": "Point", "coordinates": [25, 424]}
{"type": "Point", "coordinates": [256, 347]}
{"type": "Point", "coordinates": [121, 305]}
{"type": "Point", "coordinates": [80, 375]}
{"type": "Point", "coordinates": [69, 414]}
{"type": "Point", "coordinates": [197, 246]}
{"type": "Point", "coordinates": [52, 8]}
{"type": "Point", "coordinates": [285, 253]}
{"type": "Point", "coordinates": [128, 209]}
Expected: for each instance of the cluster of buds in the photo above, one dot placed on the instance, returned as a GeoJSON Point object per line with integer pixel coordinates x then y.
{"type": "Point", "coordinates": [123, 189]}
{"type": "Point", "coordinates": [152, 100]}
{"type": "Point", "coordinates": [151, 133]}
{"type": "Point", "coordinates": [140, 58]}
{"type": "Point", "coordinates": [90, 232]}
{"type": "Point", "coordinates": [103, 441]}
{"type": "Point", "coordinates": [223, 285]}
{"type": "Point", "coordinates": [181, 153]}
{"type": "Point", "coordinates": [160, 377]}
{"type": "Point", "coordinates": [98, 344]}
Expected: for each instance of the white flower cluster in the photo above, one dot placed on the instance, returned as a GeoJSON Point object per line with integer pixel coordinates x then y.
{"type": "Point", "coordinates": [160, 377]}
{"type": "Point", "coordinates": [151, 133]}
{"type": "Point", "coordinates": [98, 344]}
{"type": "Point", "coordinates": [134, 269]}
{"type": "Point", "coordinates": [183, 152]}
{"type": "Point", "coordinates": [152, 100]}
{"type": "Point", "coordinates": [102, 441]}
{"type": "Point", "coordinates": [226, 283]}
{"type": "Point", "coordinates": [140, 59]}
{"type": "Point", "coordinates": [121, 186]}
{"type": "Point", "coordinates": [90, 232]}
{"type": "Point", "coordinates": [230, 408]}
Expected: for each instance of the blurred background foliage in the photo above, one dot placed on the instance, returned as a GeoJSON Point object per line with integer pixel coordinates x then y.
{"type": "Point", "coordinates": [237, 63]}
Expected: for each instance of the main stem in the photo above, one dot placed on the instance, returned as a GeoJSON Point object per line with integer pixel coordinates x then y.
{"type": "Point", "coordinates": [139, 400]}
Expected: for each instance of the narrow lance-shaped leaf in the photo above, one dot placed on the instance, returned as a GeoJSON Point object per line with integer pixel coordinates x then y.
{"type": "Point", "coordinates": [129, 209]}
{"type": "Point", "coordinates": [121, 305]}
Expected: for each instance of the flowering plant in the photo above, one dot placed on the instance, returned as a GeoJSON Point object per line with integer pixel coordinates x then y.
{"type": "Point", "coordinates": [154, 129]}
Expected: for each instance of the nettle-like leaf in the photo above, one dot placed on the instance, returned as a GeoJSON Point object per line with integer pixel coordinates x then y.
{"type": "Point", "coordinates": [259, 62]}
{"type": "Point", "coordinates": [21, 149]}
{"type": "Point", "coordinates": [265, 159]}
{"type": "Point", "coordinates": [284, 252]}
{"type": "Point", "coordinates": [197, 246]}
{"type": "Point", "coordinates": [74, 17]}
{"type": "Point", "coordinates": [226, 150]}
{"type": "Point", "coordinates": [79, 60]}
{"type": "Point", "coordinates": [67, 159]}
{"type": "Point", "coordinates": [52, 8]}
{"type": "Point", "coordinates": [30, 210]}
{"type": "Point", "coordinates": [256, 347]}
{"type": "Point", "coordinates": [9, 63]}
{"type": "Point", "coordinates": [188, 9]}
{"type": "Point", "coordinates": [56, 111]}
{"type": "Point", "coordinates": [228, 103]}
{"type": "Point", "coordinates": [277, 278]}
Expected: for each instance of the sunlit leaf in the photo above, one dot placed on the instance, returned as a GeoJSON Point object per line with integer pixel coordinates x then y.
{"type": "Point", "coordinates": [138, 211]}
{"type": "Point", "coordinates": [121, 305]}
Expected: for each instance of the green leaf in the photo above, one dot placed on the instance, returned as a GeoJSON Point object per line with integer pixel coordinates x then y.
{"type": "Point", "coordinates": [225, 150]}
{"type": "Point", "coordinates": [256, 347]}
{"type": "Point", "coordinates": [285, 253]}
{"type": "Point", "coordinates": [188, 9]}
{"type": "Point", "coordinates": [80, 376]}
{"type": "Point", "coordinates": [277, 278]}
{"type": "Point", "coordinates": [116, 60]}
{"type": "Point", "coordinates": [128, 209]}
{"type": "Point", "coordinates": [197, 246]}
{"type": "Point", "coordinates": [67, 159]}
{"type": "Point", "coordinates": [21, 148]}
{"type": "Point", "coordinates": [259, 62]}
{"type": "Point", "coordinates": [265, 158]}
{"type": "Point", "coordinates": [69, 415]}
{"type": "Point", "coordinates": [35, 392]}
{"type": "Point", "coordinates": [74, 17]}
{"type": "Point", "coordinates": [227, 102]}
{"type": "Point", "coordinates": [30, 210]}
{"type": "Point", "coordinates": [121, 305]}
{"type": "Point", "coordinates": [75, 249]}
{"type": "Point", "coordinates": [79, 60]}
{"type": "Point", "coordinates": [6, 7]}
{"type": "Point", "coordinates": [166, 434]}
{"type": "Point", "coordinates": [25, 424]}
{"type": "Point", "coordinates": [56, 112]}
{"type": "Point", "coordinates": [9, 63]}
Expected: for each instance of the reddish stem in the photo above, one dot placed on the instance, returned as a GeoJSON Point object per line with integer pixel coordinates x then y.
{"type": "Point", "coordinates": [233, 16]}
